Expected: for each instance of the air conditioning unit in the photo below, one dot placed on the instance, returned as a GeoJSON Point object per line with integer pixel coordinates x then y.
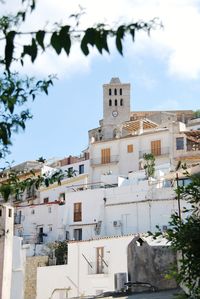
{"type": "Point", "coordinates": [120, 281]}
{"type": "Point", "coordinates": [116, 223]}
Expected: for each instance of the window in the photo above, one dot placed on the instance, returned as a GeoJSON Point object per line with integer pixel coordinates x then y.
{"type": "Point", "coordinates": [121, 102]}
{"type": "Point", "coordinates": [62, 197]}
{"type": "Point", "coordinates": [179, 143]}
{"type": "Point", "coordinates": [105, 155]}
{"type": "Point", "coordinates": [9, 212]}
{"type": "Point", "coordinates": [40, 235]}
{"type": "Point", "coordinates": [0, 212]}
{"type": "Point", "coordinates": [115, 102]}
{"type": "Point", "coordinates": [110, 91]}
{"type": "Point", "coordinates": [110, 102]}
{"type": "Point", "coordinates": [99, 259]}
{"type": "Point", "coordinates": [156, 147]}
{"type": "Point", "coordinates": [81, 168]}
{"type": "Point", "coordinates": [78, 234]}
{"type": "Point", "coordinates": [67, 235]}
{"type": "Point", "coordinates": [77, 211]}
{"type": "Point", "coordinates": [115, 91]}
{"type": "Point", "coordinates": [130, 148]}
{"type": "Point", "coordinates": [120, 91]}
{"type": "Point", "coordinates": [46, 200]}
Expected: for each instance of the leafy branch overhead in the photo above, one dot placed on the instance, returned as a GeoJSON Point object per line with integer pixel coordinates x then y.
{"type": "Point", "coordinates": [61, 37]}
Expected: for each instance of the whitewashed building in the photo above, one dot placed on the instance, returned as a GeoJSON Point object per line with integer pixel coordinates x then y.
{"type": "Point", "coordinates": [105, 194]}
{"type": "Point", "coordinates": [91, 269]}
{"type": "Point", "coordinates": [110, 194]}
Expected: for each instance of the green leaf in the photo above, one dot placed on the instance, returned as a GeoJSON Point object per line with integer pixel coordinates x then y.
{"type": "Point", "coordinates": [132, 32]}
{"type": "Point", "coordinates": [40, 38]}
{"type": "Point", "coordinates": [104, 40]}
{"type": "Point", "coordinates": [9, 48]}
{"type": "Point", "coordinates": [98, 42]}
{"type": "Point", "coordinates": [119, 36]}
{"type": "Point", "coordinates": [56, 42]}
{"type": "Point", "coordinates": [31, 50]}
{"type": "Point", "coordinates": [88, 38]}
{"type": "Point", "coordinates": [65, 39]}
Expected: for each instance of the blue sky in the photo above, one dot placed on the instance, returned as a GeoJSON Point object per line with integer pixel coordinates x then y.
{"type": "Point", "coordinates": [163, 69]}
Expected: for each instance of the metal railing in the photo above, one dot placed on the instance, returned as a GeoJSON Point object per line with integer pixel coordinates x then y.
{"type": "Point", "coordinates": [102, 268]}
{"type": "Point", "coordinates": [160, 152]}
{"type": "Point", "coordinates": [107, 160]}
{"type": "Point", "coordinates": [17, 219]}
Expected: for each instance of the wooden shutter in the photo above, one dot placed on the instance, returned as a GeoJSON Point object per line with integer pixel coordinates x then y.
{"type": "Point", "coordinates": [156, 147]}
{"type": "Point", "coordinates": [77, 211]}
{"type": "Point", "coordinates": [130, 148]}
{"type": "Point", "coordinates": [105, 155]}
{"type": "Point", "coordinates": [99, 259]}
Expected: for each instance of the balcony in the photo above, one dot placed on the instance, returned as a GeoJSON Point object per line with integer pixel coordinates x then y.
{"type": "Point", "coordinates": [108, 160]}
{"type": "Point", "coordinates": [163, 151]}
{"type": "Point", "coordinates": [95, 269]}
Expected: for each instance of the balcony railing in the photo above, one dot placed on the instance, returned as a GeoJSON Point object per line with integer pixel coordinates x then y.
{"type": "Point", "coordinates": [159, 152]}
{"type": "Point", "coordinates": [107, 160]}
{"type": "Point", "coordinates": [30, 239]}
{"type": "Point", "coordinates": [193, 147]}
{"type": "Point", "coordinates": [102, 268]}
{"type": "Point", "coordinates": [18, 219]}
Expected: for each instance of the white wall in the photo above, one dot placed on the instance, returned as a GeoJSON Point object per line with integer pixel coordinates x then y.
{"type": "Point", "coordinates": [18, 269]}
{"type": "Point", "coordinates": [137, 207]}
{"type": "Point", "coordinates": [124, 162]}
{"type": "Point", "coordinates": [6, 248]}
{"type": "Point", "coordinates": [77, 274]}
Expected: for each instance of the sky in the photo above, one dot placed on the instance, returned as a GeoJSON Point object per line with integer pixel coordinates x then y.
{"type": "Point", "coordinates": [163, 70]}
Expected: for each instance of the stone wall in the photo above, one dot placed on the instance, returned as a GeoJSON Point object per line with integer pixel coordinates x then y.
{"type": "Point", "coordinates": [150, 264]}
{"type": "Point", "coordinates": [31, 275]}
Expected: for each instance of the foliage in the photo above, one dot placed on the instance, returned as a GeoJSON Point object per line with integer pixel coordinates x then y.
{"type": "Point", "coordinates": [197, 113]}
{"type": "Point", "coordinates": [13, 184]}
{"type": "Point", "coordinates": [184, 236]}
{"type": "Point", "coordinates": [70, 172]}
{"type": "Point", "coordinates": [61, 36]}
{"type": "Point", "coordinates": [149, 165]}
{"type": "Point", "coordinates": [59, 249]}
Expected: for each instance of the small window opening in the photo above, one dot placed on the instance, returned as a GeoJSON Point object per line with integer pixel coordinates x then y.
{"type": "Point", "coordinates": [9, 212]}
{"type": "Point", "coordinates": [115, 92]}
{"type": "Point", "coordinates": [110, 102]}
{"type": "Point", "coordinates": [115, 102]}
{"type": "Point", "coordinates": [110, 91]}
{"type": "Point", "coordinates": [46, 200]}
{"type": "Point", "coordinates": [121, 102]}
{"type": "Point", "coordinates": [0, 212]}
{"type": "Point", "coordinates": [120, 91]}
